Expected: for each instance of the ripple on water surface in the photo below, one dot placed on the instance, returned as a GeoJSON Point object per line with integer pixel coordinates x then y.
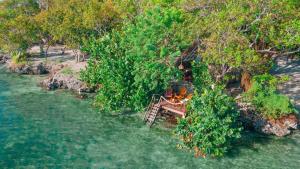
{"type": "Point", "coordinates": [41, 129]}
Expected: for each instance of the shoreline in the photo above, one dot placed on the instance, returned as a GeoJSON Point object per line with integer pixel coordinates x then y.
{"type": "Point", "coordinates": [62, 72]}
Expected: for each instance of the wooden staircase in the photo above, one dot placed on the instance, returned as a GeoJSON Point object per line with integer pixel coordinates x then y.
{"type": "Point", "coordinates": [160, 103]}
{"type": "Point", "coordinates": [152, 111]}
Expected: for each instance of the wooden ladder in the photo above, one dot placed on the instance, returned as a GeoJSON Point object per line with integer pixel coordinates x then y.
{"type": "Point", "coordinates": [152, 111]}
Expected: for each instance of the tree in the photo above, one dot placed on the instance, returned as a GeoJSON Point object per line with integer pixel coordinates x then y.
{"type": "Point", "coordinates": [244, 35]}
{"type": "Point", "coordinates": [74, 21]}
{"type": "Point", "coordinates": [18, 29]}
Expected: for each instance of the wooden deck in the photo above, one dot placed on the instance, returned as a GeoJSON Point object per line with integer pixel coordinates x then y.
{"type": "Point", "coordinates": [179, 109]}
{"type": "Point", "coordinates": [158, 104]}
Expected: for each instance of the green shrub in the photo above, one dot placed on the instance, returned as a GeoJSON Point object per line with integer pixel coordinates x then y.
{"type": "Point", "coordinates": [211, 123]}
{"type": "Point", "coordinates": [275, 106]}
{"type": "Point", "coordinates": [67, 71]}
{"type": "Point", "coordinates": [265, 84]}
{"type": "Point", "coordinates": [18, 57]}
{"type": "Point", "coordinates": [109, 68]}
{"type": "Point", "coordinates": [263, 95]}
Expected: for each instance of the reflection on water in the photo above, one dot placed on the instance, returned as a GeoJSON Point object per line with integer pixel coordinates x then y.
{"type": "Point", "coordinates": [40, 129]}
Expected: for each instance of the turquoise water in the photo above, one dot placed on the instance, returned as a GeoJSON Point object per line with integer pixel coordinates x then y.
{"type": "Point", "coordinates": [41, 129]}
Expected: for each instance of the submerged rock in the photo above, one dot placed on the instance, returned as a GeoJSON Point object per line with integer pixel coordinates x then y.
{"type": "Point", "coordinates": [40, 69]}
{"type": "Point", "coordinates": [279, 127]}
{"type": "Point", "coordinates": [3, 59]}
{"type": "Point", "coordinates": [22, 69]}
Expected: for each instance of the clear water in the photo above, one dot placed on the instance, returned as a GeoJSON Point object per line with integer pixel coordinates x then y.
{"type": "Point", "coordinates": [40, 129]}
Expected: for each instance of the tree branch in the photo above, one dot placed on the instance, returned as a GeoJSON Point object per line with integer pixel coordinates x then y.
{"type": "Point", "coordinates": [267, 51]}
{"type": "Point", "coordinates": [291, 52]}
{"type": "Point", "coordinates": [278, 53]}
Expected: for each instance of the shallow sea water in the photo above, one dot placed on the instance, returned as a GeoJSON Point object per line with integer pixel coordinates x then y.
{"type": "Point", "coordinates": [42, 129]}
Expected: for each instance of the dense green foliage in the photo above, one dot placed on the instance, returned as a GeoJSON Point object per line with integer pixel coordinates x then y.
{"type": "Point", "coordinates": [134, 44]}
{"type": "Point", "coordinates": [109, 67]}
{"type": "Point", "coordinates": [74, 21]}
{"type": "Point", "coordinates": [211, 123]}
{"type": "Point", "coordinates": [18, 29]}
{"type": "Point", "coordinates": [264, 96]}
{"type": "Point", "coordinates": [235, 34]}
{"type": "Point", "coordinates": [25, 23]}
{"type": "Point", "coordinates": [138, 62]}
{"type": "Point", "coordinates": [154, 44]}
{"type": "Point", "coordinates": [243, 35]}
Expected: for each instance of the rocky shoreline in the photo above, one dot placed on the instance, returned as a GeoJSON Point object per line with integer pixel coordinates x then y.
{"type": "Point", "coordinates": [59, 80]}
{"type": "Point", "coordinates": [65, 76]}
{"type": "Point", "coordinates": [39, 69]}
{"type": "Point", "coordinates": [279, 127]}
{"type": "Point", "coordinates": [61, 71]}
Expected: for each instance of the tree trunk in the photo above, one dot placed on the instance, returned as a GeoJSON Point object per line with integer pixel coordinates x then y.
{"type": "Point", "coordinates": [47, 49]}
{"type": "Point", "coordinates": [63, 51]}
{"type": "Point", "coordinates": [246, 81]}
{"type": "Point", "coordinates": [42, 52]}
{"type": "Point", "coordinates": [76, 55]}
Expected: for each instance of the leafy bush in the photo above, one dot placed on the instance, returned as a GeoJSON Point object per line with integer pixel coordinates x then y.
{"type": "Point", "coordinates": [265, 83]}
{"type": "Point", "coordinates": [211, 122]}
{"type": "Point", "coordinates": [109, 68]}
{"type": "Point", "coordinates": [263, 94]}
{"type": "Point", "coordinates": [18, 57]}
{"type": "Point", "coordinates": [275, 106]}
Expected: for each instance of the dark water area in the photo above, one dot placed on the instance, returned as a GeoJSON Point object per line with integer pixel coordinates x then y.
{"type": "Point", "coordinates": [42, 129]}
